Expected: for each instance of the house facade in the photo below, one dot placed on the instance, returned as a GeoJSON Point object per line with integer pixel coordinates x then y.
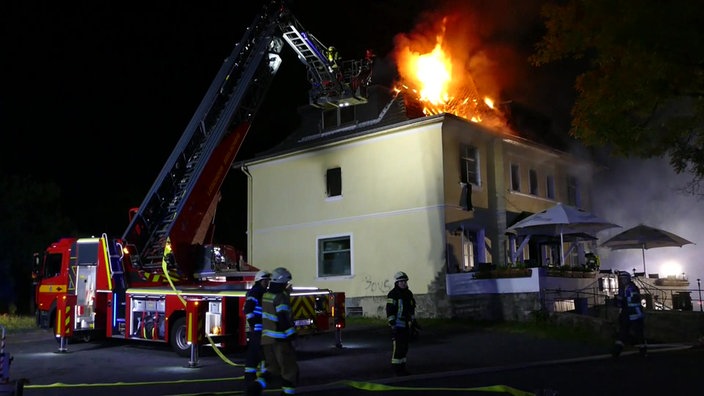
{"type": "Point", "coordinates": [346, 207]}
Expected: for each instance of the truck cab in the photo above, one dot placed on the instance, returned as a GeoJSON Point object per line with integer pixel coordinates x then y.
{"type": "Point", "coordinates": [68, 266]}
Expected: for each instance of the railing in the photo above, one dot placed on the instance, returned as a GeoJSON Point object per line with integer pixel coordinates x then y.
{"type": "Point", "coordinates": [573, 289]}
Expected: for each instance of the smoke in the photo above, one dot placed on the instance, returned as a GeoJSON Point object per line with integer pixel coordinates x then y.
{"type": "Point", "coordinates": [633, 191]}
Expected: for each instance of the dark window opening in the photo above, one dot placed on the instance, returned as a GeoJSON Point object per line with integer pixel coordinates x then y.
{"type": "Point", "coordinates": [550, 186]}
{"type": "Point", "coordinates": [334, 182]}
{"type": "Point", "coordinates": [533, 182]}
{"type": "Point", "coordinates": [572, 191]}
{"type": "Point", "coordinates": [515, 178]}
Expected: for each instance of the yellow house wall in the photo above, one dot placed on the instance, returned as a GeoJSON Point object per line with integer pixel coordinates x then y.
{"type": "Point", "coordinates": [455, 134]}
{"type": "Point", "coordinates": [391, 206]}
{"type": "Point", "coordinates": [545, 163]}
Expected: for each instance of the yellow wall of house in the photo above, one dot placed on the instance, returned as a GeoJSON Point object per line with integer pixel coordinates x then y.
{"type": "Point", "coordinates": [400, 188]}
{"type": "Point", "coordinates": [391, 205]}
{"type": "Point", "coordinates": [545, 163]}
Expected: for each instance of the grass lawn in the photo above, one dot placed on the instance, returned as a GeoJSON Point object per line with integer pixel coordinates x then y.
{"type": "Point", "coordinates": [17, 323]}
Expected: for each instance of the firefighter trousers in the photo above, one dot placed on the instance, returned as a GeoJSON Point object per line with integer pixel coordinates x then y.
{"type": "Point", "coordinates": [400, 339]}
{"type": "Point", "coordinates": [280, 358]}
{"type": "Point", "coordinates": [631, 332]}
{"type": "Point", "coordinates": [255, 356]}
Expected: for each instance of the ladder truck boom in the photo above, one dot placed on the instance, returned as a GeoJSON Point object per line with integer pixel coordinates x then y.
{"type": "Point", "coordinates": [179, 204]}
{"type": "Point", "coordinates": [163, 271]}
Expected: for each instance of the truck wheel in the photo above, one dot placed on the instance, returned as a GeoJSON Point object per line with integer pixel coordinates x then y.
{"type": "Point", "coordinates": [177, 338]}
{"type": "Point", "coordinates": [88, 336]}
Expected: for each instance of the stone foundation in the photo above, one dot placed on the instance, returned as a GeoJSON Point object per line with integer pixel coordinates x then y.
{"type": "Point", "coordinates": [483, 307]}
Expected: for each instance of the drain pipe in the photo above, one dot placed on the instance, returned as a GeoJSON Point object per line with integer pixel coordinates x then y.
{"type": "Point", "coordinates": [250, 182]}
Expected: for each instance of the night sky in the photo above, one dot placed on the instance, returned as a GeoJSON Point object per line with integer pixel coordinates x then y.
{"type": "Point", "coordinates": [95, 95]}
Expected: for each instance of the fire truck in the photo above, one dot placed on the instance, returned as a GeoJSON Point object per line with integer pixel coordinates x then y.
{"type": "Point", "coordinates": [164, 280]}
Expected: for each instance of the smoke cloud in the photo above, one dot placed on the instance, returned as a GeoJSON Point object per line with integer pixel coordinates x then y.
{"type": "Point", "coordinates": [634, 191]}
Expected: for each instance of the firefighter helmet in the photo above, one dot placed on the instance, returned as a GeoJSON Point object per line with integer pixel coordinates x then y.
{"type": "Point", "coordinates": [400, 276]}
{"type": "Point", "coordinates": [280, 275]}
{"type": "Point", "coordinates": [624, 275]}
{"type": "Point", "coordinates": [262, 275]}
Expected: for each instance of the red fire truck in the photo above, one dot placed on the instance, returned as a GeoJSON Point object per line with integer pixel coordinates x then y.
{"type": "Point", "coordinates": [164, 280]}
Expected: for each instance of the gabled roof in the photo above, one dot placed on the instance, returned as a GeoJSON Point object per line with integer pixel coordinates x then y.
{"type": "Point", "coordinates": [385, 108]}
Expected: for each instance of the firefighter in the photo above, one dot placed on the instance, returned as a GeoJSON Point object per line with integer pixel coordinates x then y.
{"type": "Point", "coordinates": [592, 261]}
{"type": "Point", "coordinates": [278, 333]}
{"type": "Point", "coordinates": [333, 57]}
{"type": "Point", "coordinates": [400, 314]}
{"type": "Point", "coordinates": [254, 361]}
{"type": "Point", "coordinates": [631, 318]}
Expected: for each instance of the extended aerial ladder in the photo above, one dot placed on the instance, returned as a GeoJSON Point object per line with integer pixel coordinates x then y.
{"type": "Point", "coordinates": [180, 205]}
{"type": "Point", "coordinates": [163, 280]}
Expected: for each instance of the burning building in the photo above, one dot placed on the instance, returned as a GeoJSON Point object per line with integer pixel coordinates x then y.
{"type": "Point", "coordinates": [425, 178]}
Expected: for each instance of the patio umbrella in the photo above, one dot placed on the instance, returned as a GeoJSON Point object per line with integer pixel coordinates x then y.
{"type": "Point", "coordinates": [561, 220]}
{"type": "Point", "coordinates": [644, 237]}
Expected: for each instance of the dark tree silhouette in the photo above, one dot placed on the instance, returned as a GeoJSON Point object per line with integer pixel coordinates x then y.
{"type": "Point", "coordinates": [30, 219]}
{"type": "Point", "coordinates": [642, 92]}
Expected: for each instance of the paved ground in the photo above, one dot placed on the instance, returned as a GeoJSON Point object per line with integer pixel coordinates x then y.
{"type": "Point", "coordinates": [443, 361]}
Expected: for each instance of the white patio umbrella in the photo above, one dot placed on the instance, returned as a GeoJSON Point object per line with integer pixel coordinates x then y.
{"type": "Point", "coordinates": [644, 237]}
{"type": "Point", "coordinates": [561, 220]}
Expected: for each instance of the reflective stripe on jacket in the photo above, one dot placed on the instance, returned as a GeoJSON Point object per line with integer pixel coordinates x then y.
{"type": "Point", "coordinates": [276, 317]}
{"type": "Point", "coordinates": [632, 298]}
{"type": "Point", "coordinates": [253, 307]}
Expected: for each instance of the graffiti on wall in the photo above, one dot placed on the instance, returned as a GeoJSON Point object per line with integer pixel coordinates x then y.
{"type": "Point", "coordinates": [376, 286]}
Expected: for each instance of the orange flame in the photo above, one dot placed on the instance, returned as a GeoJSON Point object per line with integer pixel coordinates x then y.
{"type": "Point", "coordinates": [439, 80]}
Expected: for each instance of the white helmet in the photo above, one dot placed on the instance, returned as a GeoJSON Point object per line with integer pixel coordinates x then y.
{"type": "Point", "coordinates": [262, 275]}
{"type": "Point", "coordinates": [280, 275]}
{"type": "Point", "coordinates": [400, 276]}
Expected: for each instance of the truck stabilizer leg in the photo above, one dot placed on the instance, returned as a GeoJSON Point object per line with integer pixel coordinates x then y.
{"type": "Point", "coordinates": [193, 361]}
{"type": "Point", "coordinates": [63, 345]}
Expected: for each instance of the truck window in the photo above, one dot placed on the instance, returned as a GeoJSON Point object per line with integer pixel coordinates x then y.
{"type": "Point", "coordinates": [52, 265]}
{"type": "Point", "coordinates": [87, 253]}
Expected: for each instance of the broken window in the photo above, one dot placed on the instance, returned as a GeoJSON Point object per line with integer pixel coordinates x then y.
{"type": "Point", "coordinates": [334, 182]}
{"type": "Point", "coordinates": [469, 160]}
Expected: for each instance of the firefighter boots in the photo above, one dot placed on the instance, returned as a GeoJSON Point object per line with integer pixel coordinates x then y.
{"type": "Point", "coordinates": [400, 369]}
{"type": "Point", "coordinates": [254, 388]}
{"type": "Point", "coordinates": [617, 349]}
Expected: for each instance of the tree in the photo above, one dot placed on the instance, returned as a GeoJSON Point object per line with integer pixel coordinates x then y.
{"type": "Point", "coordinates": [641, 91]}
{"type": "Point", "coordinates": [30, 218]}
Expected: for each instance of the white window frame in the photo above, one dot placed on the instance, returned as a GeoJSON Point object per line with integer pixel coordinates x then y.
{"type": "Point", "coordinates": [322, 251]}
{"type": "Point", "coordinates": [469, 157]}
